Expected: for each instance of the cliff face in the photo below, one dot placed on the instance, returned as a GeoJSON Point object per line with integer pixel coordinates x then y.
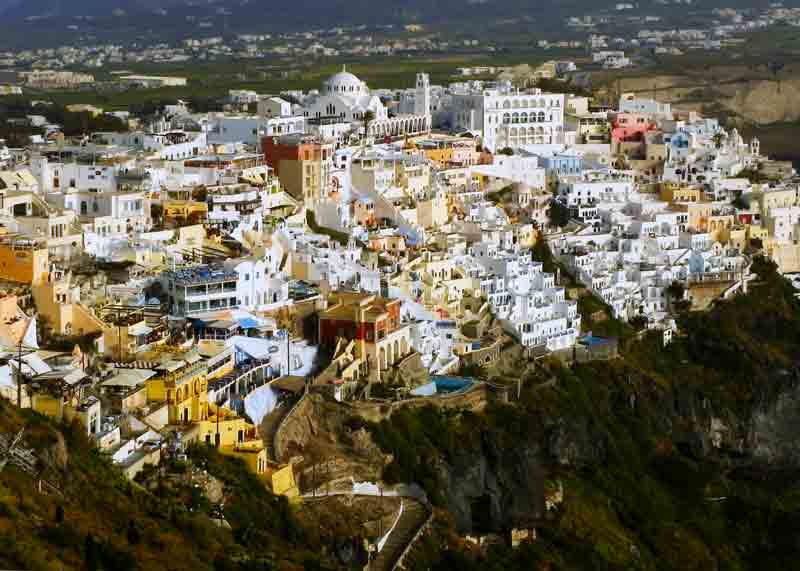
{"type": "Point", "coordinates": [495, 483]}
{"type": "Point", "coordinates": [491, 485]}
{"type": "Point", "coordinates": [678, 457]}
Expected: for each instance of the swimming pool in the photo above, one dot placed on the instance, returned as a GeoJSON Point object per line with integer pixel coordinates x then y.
{"type": "Point", "coordinates": [451, 384]}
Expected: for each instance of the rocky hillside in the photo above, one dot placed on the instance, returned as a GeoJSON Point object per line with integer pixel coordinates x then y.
{"type": "Point", "coordinates": [89, 517]}
{"type": "Point", "coordinates": [682, 457]}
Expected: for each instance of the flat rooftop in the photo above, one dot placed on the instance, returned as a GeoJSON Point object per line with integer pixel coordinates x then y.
{"type": "Point", "coordinates": [200, 275]}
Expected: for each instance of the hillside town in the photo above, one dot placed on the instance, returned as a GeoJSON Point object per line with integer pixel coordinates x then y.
{"type": "Point", "coordinates": [605, 32]}
{"type": "Point", "coordinates": [193, 278]}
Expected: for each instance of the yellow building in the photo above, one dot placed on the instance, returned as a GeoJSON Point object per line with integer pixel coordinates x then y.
{"type": "Point", "coordinates": [736, 237]}
{"type": "Point", "coordinates": [85, 108]}
{"type": "Point", "coordinates": [232, 435]}
{"type": "Point", "coordinates": [23, 260]}
{"type": "Point", "coordinates": [785, 254]}
{"type": "Point", "coordinates": [676, 193]}
{"type": "Point", "coordinates": [698, 215]}
{"type": "Point", "coordinates": [184, 211]}
{"type": "Point", "coordinates": [442, 155]}
{"type": "Point", "coordinates": [284, 483]}
{"type": "Point", "coordinates": [252, 453]}
{"type": "Point", "coordinates": [719, 226]}
{"type": "Point", "coordinates": [181, 382]}
{"type": "Point", "coordinates": [220, 359]}
{"type": "Point", "coordinates": [757, 232]}
{"type": "Point", "coordinates": [433, 213]}
{"type": "Point", "coordinates": [780, 198]}
{"type": "Point", "coordinates": [391, 244]}
{"type": "Point", "coordinates": [57, 300]}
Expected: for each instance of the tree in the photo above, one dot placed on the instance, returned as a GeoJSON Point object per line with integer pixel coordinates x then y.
{"type": "Point", "coordinates": [474, 370]}
{"type": "Point", "coordinates": [134, 536]}
{"type": "Point", "coordinates": [542, 253]}
{"type": "Point", "coordinates": [676, 290]}
{"type": "Point", "coordinates": [558, 214]}
{"type": "Point", "coordinates": [507, 151]}
{"type": "Point", "coordinates": [156, 213]}
{"type": "Point", "coordinates": [739, 202]}
{"type": "Point", "coordinates": [639, 322]}
{"type": "Point", "coordinates": [366, 120]}
{"type": "Point", "coordinates": [92, 553]}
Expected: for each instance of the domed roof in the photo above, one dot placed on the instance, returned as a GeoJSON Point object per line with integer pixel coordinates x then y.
{"type": "Point", "coordinates": [343, 78]}
{"type": "Point", "coordinates": [345, 83]}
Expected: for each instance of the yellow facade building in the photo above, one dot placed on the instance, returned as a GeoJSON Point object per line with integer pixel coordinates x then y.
{"type": "Point", "coordinates": [184, 211]}
{"type": "Point", "coordinates": [232, 435]}
{"type": "Point", "coordinates": [181, 383]}
{"type": "Point", "coordinates": [671, 192]}
{"type": "Point", "coordinates": [23, 260]}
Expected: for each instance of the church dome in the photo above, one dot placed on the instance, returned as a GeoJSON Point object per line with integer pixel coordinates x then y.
{"type": "Point", "coordinates": [344, 83]}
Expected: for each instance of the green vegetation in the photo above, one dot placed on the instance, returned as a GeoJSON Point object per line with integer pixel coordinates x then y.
{"type": "Point", "coordinates": [542, 253]}
{"type": "Point", "coordinates": [501, 196]}
{"type": "Point", "coordinates": [82, 123]}
{"type": "Point", "coordinates": [210, 81]}
{"type": "Point", "coordinates": [335, 235]}
{"type": "Point", "coordinates": [755, 176]}
{"type": "Point", "coordinates": [598, 317]}
{"type": "Point", "coordinates": [102, 521]}
{"type": "Point", "coordinates": [640, 491]}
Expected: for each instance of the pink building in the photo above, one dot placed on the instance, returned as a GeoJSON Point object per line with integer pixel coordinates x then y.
{"type": "Point", "coordinates": [630, 127]}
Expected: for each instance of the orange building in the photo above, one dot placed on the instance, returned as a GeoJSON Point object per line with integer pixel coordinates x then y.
{"type": "Point", "coordinates": [23, 260]}
{"type": "Point", "coordinates": [373, 322]}
{"type": "Point", "coordinates": [301, 162]}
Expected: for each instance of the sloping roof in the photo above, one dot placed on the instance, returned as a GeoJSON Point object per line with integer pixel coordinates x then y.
{"type": "Point", "coordinates": [140, 329]}
{"type": "Point", "coordinates": [17, 179]}
{"type": "Point", "coordinates": [128, 378]}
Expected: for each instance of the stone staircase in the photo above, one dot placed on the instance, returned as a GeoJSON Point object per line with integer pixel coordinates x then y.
{"type": "Point", "coordinates": [269, 429]}
{"type": "Point", "coordinates": [271, 426]}
{"type": "Point", "coordinates": [415, 516]}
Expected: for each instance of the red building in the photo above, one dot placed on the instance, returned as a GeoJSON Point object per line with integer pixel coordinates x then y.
{"type": "Point", "coordinates": [373, 322]}
{"type": "Point", "coordinates": [300, 162]}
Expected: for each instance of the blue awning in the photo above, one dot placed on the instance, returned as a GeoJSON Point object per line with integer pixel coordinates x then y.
{"type": "Point", "coordinates": [248, 323]}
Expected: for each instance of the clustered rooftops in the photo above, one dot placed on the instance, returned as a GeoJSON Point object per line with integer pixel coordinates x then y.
{"type": "Point", "coordinates": [200, 275]}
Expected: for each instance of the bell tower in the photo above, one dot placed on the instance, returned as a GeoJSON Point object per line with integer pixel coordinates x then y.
{"type": "Point", "coordinates": [422, 95]}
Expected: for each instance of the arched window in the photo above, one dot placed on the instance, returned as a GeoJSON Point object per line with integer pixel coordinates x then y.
{"type": "Point", "coordinates": [506, 118]}
{"type": "Point", "coordinates": [541, 116]}
{"type": "Point", "coordinates": [506, 104]}
{"type": "Point", "coordinates": [515, 118]}
{"type": "Point", "coordinates": [523, 117]}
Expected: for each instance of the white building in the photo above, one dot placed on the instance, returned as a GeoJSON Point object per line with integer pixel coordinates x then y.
{"type": "Point", "coordinates": [506, 118]}
{"type": "Point", "coordinates": [251, 129]}
{"type": "Point", "coordinates": [348, 98]}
